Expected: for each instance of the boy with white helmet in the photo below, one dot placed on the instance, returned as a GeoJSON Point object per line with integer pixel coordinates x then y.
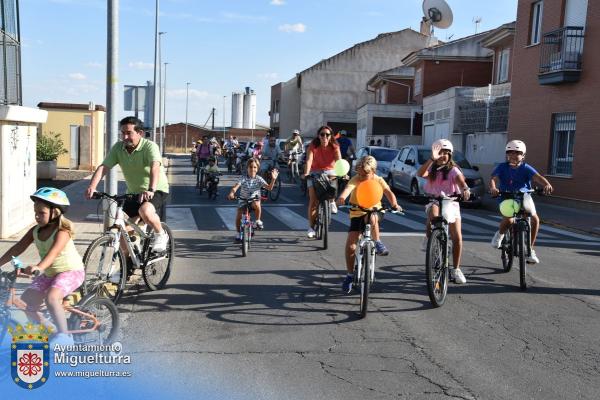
{"type": "Point", "coordinates": [511, 176]}
{"type": "Point", "coordinates": [444, 176]}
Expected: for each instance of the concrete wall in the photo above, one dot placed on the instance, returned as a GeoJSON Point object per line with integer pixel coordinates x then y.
{"type": "Point", "coordinates": [485, 150]}
{"type": "Point", "coordinates": [289, 115]}
{"type": "Point", "coordinates": [60, 121]}
{"type": "Point", "coordinates": [339, 83]}
{"type": "Point", "coordinates": [18, 131]}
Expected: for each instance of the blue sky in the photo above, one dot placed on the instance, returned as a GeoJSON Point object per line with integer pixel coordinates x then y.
{"type": "Point", "coordinates": [218, 46]}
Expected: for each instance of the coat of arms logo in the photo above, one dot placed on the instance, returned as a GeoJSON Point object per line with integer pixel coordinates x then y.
{"type": "Point", "coordinates": [30, 355]}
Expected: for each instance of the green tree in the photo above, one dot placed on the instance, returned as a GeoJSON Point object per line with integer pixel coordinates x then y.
{"type": "Point", "coordinates": [50, 146]}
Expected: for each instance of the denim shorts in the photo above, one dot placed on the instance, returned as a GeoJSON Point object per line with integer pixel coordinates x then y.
{"type": "Point", "coordinates": [309, 182]}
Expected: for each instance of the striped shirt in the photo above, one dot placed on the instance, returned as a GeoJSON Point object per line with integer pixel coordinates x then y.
{"type": "Point", "coordinates": [250, 187]}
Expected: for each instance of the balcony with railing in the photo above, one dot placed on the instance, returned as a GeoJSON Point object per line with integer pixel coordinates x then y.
{"type": "Point", "coordinates": [561, 54]}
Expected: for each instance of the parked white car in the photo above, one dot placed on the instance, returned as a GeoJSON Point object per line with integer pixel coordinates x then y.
{"type": "Point", "coordinates": [383, 155]}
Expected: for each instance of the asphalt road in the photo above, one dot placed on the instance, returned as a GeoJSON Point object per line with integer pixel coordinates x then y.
{"type": "Point", "coordinates": [275, 325]}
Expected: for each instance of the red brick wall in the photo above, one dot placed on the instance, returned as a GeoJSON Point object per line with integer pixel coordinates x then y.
{"type": "Point", "coordinates": [532, 104]}
{"type": "Point", "coordinates": [398, 94]}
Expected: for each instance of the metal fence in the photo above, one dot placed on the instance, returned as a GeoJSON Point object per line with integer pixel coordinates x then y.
{"type": "Point", "coordinates": [483, 109]}
{"type": "Point", "coordinates": [10, 53]}
{"type": "Point", "coordinates": [562, 49]}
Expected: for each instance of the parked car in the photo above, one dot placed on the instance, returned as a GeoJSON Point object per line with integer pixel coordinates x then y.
{"type": "Point", "coordinates": [383, 155]}
{"type": "Point", "coordinates": [403, 172]}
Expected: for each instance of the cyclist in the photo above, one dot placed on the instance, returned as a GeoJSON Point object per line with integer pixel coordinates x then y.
{"type": "Point", "coordinates": [365, 170]}
{"type": "Point", "coordinates": [293, 146]}
{"type": "Point", "coordinates": [60, 264]}
{"type": "Point", "coordinates": [141, 164]}
{"type": "Point", "coordinates": [346, 147]}
{"type": "Point", "coordinates": [270, 155]}
{"type": "Point", "coordinates": [444, 176]}
{"type": "Point", "coordinates": [513, 175]}
{"type": "Point", "coordinates": [322, 154]}
{"type": "Point", "coordinates": [250, 186]}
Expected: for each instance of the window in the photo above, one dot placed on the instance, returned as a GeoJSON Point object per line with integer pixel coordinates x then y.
{"type": "Point", "coordinates": [503, 63]}
{"type": "Point", "coordinates": [536, 22]}
{"type": "Point", "coordinates": [563, 138]}
{"type": "Point", "coordinates": [418, 81]}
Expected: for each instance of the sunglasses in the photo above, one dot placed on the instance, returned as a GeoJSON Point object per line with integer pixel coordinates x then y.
{"type": "Point", "coordinates": [322, 134]}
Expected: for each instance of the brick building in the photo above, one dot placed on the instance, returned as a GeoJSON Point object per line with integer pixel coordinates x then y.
{"type": "Point", "coordinates": [555, 84]}
{"type": "Point", "coordinates": [175, 135]}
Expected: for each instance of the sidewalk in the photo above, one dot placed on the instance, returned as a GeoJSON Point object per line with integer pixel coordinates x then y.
{"type": "Point", "coordinates": [565, 217]}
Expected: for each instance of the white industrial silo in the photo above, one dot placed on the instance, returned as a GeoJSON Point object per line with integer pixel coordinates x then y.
{"type": "Point", "coordinates": [237, 110]}
{"type": "Point", "coordinates": [249, 117]}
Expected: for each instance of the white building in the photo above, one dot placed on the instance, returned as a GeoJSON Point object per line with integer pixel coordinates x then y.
{"type": "Point", "coordinates": [331, 91]}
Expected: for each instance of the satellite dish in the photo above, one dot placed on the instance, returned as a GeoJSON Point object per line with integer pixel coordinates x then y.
{"type": "Point", "coordinates": [437, 13]}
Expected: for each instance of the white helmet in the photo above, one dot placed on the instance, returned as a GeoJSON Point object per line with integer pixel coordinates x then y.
{"type": "Point", "coordinates": [516, 145]}
{"type": "Point", "coordinates": [296, 132]}
{"type": "Point", "coordinates": [445, 143]}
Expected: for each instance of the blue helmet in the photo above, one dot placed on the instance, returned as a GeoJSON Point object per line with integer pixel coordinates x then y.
{"type": "Point", "coordinates": [53, 197]}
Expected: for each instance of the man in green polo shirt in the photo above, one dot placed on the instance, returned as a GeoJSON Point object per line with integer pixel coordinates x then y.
{"type": "Point", "coordinates": [141, 163]}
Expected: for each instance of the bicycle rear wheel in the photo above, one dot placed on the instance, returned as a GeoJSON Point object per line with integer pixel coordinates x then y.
{"type": "Point", "coordinates": [105, 269]}
{"type": "Point", "coordinates": [522, 264]}
{"type": "Point", "coordinates": [436, 268]}
{"type": "Point", "coordinates": [274, 193]}
{"type": "Point", "coordinates": [365, 279]}
{"type": "Point", "coordinates": [245, 240]}
{"type": "Point", "coordinates": [319, 222]}
{"type": "Point", "coordinates": [507, 251]}
{"type": "Point", "coordinates": [157, 269]}
{"type": "Point", "coordinates": [100, 316]}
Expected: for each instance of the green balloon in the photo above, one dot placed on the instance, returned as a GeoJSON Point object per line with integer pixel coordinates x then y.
{"type": "Point", "coordinates": [509, 208]}
{"type": "Point", "coordinates": [341, 167]}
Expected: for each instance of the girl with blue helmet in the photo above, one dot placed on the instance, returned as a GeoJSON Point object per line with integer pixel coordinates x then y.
{"type": "Point", "coordinates": [61, 267]}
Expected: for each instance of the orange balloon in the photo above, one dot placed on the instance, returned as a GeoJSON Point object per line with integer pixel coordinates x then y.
{"type": "Point", "coordinates": [368, 193]}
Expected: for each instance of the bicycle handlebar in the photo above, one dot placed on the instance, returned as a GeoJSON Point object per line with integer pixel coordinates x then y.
{"type": "Point", "coordinates": [453, 197]}
{"type": "Point", "coordinates": [519, 193]}
{"type": "Point", "coordinates": [382, 209]}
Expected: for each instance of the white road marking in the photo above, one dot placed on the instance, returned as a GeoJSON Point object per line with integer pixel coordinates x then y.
{"type": "Point", "coordinates": [293, 220]}
{"type": "Point", "coordinates": [181, 219]}
{"type": "Point", "coordinates": [227, 215]}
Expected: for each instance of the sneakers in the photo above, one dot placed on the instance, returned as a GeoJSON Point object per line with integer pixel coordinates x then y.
{"type": "Point", "coordinates": [334, 209]}
{"type": "Point", "coordinates": [62, 339]}
{"type": "Point", "coordinates": [115, 277]}
{"type": "Point", "coordinates": [347, 284]}
{"type": "Point", "coordinates": [424, 243]}
{"type": "Point", "coordinates": [381, 249]}
{"type": "Point", "coordinates": [533, 259]}
{"type": "Point", "coordinates": [258, 224]}
{"type": "Point", "coordinates": [159, 243]}
{"type": "Point", "coordinates": [497, 240]}
{"type": "Point", "coordinates": [311, 233]}
{"type": "Point", "coordinates": [457, 276]}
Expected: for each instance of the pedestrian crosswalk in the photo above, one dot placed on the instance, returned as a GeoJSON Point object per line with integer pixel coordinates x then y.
{"type": "Point", "coordinates": [292, 217]}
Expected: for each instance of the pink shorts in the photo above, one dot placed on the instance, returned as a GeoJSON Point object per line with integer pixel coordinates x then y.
{"type": "Point", "coordinates": [66, 281]}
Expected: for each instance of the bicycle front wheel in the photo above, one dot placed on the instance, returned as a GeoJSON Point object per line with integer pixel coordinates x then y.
{"type": "Point", "coordinates": [436, 268]}
{"type": "Point", "coordinates": [105, 269]}
{"type": "Point", "coordinates": [325, 223]}
{"type": "Point", "coordinates": [157, 269]}
{"type": "Point", "coordinates": [507, 251]}
{"type": "Point", "coordinates": [522, 264]}
{"type": "Point", "coordinates": [96, 319]}
{"type": "Point", "coordinates": [245, 240]}
{"type": "Point", "coordinates": [365, 279]}
{"type": "Point", "coordinates": [274, 193]}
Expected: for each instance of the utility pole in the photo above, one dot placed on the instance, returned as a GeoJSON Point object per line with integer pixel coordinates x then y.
{"type": "Point", "coordinates": [164, 130]}
{"type": "Point", "coordinates": [224, 97]}
{"type": "Point", "coordinates": [112, 99]}
{"type": "Point", "coordinates": [160, 94]}
{"type": "Point", "coordinates": [187, 93]}
{"type": "Point", "coordinates": [155, 97]}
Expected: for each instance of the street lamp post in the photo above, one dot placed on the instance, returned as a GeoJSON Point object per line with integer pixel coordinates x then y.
{"type": "Point", "coordinates": [187, 93]}
{"type": "Point", "coordinates": [160, 94]}
{"type": "Point", "coordinates": [224, 97]}
{"type": "Point", "coordinates": [155, 97]}
{"type": "Point", "coordinates": [164, 113]}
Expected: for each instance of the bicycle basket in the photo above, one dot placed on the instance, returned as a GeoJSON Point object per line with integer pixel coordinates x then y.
{"type": "Point", "coordinates": [324, 187]}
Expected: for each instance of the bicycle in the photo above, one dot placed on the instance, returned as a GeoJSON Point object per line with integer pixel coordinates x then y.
{"type": "Point", "coordinates": [293, 171]}
{"type": "Point", "coordinates": [110, 275]}
{"type": "Point", "coordinates": [365, 254]}
{"type": "Point", "coordinates": [438, 250]}
{"type": "Point", "coordinates": [230, 157]}
{"type": "Point", "coordinates": [325, 191]}
{"type": "Point", "coordinates": [517, 239]}
{"type": "Point", "coordinates": [200, 173]}
{"type": "Point", "coordinates": [212, 182]}
{"type": "Point", "coordinates": [92, 320]}
{"type": "Point", "coordinates": [246, 224]}
{"type": "Point", "coordinates": [273, 193]}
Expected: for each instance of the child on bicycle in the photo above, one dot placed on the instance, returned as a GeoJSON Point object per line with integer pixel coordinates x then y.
{"type": "Point", "coordinates": [444, 176]}
{"type": "Point", "coordinates": [365, 170]}
{"type": "Point", "coordinates": [61, 267]}
{"type": "Point", "coordinates": [513, 175]}
{"type": "Point", "coordinates": [250, 185]}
